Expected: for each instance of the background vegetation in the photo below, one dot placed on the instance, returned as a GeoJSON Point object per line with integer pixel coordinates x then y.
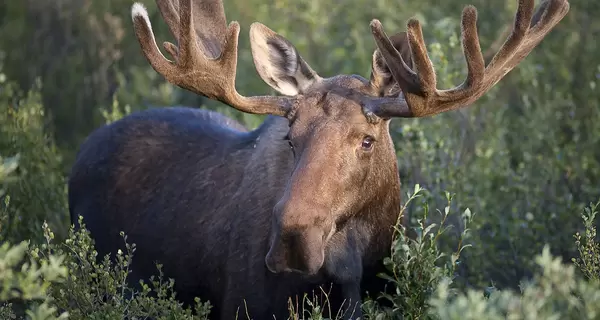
{"type": "Point", "coordinates": [524, 159]}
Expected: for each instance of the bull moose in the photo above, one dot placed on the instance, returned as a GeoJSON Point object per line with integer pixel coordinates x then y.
{"type": "Point", "coordinates": [246, 219]}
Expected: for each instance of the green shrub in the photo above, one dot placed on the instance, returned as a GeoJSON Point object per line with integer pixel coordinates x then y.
{"type": "Point", "coordinates": [98, 289]}
{"type": "Point", "coordinates": [55, 281]}
{"type": "Point", "coordinates": [556, 291]}
{"type": "Point", "coordinates": [6, 311]}
{"type": "Point", "coordinates": [7, 169]}
{"type": "Point", "coordinates": [589, 250]}
{"type": "Point", "coordinates": [23, 280]}
{"type": "Point", "coordinates": [39, 190]}
{"type": "Point", "coordinates": [26, 280]}
{"type": "Point", "coordinates": [416, 266]}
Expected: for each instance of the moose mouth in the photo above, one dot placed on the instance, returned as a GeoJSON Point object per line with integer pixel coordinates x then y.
{"type": "Point", "coordinates": [274, 268]}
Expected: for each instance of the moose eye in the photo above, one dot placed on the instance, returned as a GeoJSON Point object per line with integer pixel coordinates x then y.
{"type": "Point", "coordinates": [367, 143]}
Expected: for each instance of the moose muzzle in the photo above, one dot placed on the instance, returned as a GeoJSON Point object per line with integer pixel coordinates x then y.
{"type": "Point", "coordinates": [297, 250]}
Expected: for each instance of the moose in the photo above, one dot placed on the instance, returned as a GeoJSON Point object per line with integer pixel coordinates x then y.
{"type": "Point", "coordinates": [249, 218]}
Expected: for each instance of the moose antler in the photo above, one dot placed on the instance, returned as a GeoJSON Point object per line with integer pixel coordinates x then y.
{"type": "Point", "coordinates": [206, 55]}
{"type": "Point", "coordinates": [421, 98]}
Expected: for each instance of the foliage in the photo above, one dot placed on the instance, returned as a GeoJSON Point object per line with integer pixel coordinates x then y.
{"type": "Point", "coordinates": [416, 266]}
{"type": "Point", "coordinates": [524, 157]}
{"type": "Point", "coordinates": [6, 311]}
{"type": "Point", "coordinates": [7, 168]}
{"type": "Point", "coordinates": [555, 292]}
{"type": "Point", "coordinates": [68, 277]}
{"type": "Point", "coordinates": [28, 281]}
{"type": "Point", "coordinates": [589, 250]}
{"type": "Point", "coordinates": [39, 193]}
{"type": "Point", "coordinates": [98, 288]}
{"type": "Point", "coordinates": [115, 113]}
{"type": "Point", "coordinates": [22, 280]}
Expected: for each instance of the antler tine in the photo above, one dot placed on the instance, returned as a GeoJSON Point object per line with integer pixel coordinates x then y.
{"type": "Point", "coordinates": [406, 78]}
{"type": "Point", "coordinates": [473, 54]}
{"type": "Point", "coordinates": [206, 55]}
{"type": "Point", "coordinates": [145, 35]}
{"type": "Point", "coordinates": [543, 20]}
{"type": "Point", "coordinates": [517, 36]}
{"type": "Point", "coordinates": [169, 10]}
{"type": "Point", "coordinates": [188, 47]}
{"type": "Point", "coordinates": [420, 96]}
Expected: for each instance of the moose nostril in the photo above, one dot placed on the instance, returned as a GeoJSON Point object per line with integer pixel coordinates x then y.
{"type": "Point", "coordinates": [299, 250]}
{"type": "Point", "coordinates": [275, 264]}
{"type": "Point", "coordinates": [270, 264]}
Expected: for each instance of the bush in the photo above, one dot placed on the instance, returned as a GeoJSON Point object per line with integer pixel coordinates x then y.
{"type": "Point", "coordinates": [589, 250]}
{"type": "Point", "coordinates": [28, 281]}
{"type": "Point", "coordinates": [67, 279]}
{"type": "Point", "coordinates": [39, 191]}
{"type": "Point", "coordinates": [556, 291]}
{"type": "Point", "coordinates": [98, 289]}
{"type": "Point", "coordinates": [24, 280]}
{"type": "Point", "coordinates": [417, 266]}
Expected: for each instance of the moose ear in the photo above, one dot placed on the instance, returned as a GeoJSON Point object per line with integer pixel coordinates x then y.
{"type": "Point", "coordinates": [382, 80]}
{"type": "Point", "coordinates": [278, 62]}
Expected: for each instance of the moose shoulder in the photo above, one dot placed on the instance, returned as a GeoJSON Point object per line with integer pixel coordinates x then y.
{"type": "Point", "coordinates": [247, 219]}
